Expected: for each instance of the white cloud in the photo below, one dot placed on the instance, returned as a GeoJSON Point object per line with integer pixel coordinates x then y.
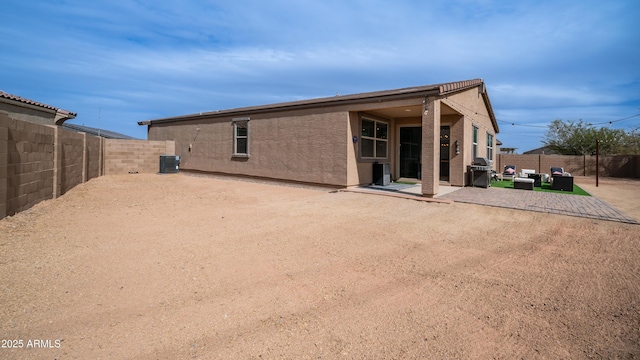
{"type": "Point", "coordinates": [161, 58]}
{"type": "Point", "coordinates": [549, 95]}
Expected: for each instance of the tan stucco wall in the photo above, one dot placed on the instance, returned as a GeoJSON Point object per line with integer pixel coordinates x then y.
{"type": "Point", "coordinates": [356, 171]}
{"type": "Point", "coordinates": [431, 148]}
{"type": "Point", "coordinates": [360, 172]}
{"type": "Point", "coordinates": [303, 146]}
{"type": "Point", "coordinates": [457, 166]}
{"type": "Point", "coordinates": [471, 104]}
{"type": "Point", "coordinates": [44, 116]}
{"type": "Point", "coordinates": [315, 145]}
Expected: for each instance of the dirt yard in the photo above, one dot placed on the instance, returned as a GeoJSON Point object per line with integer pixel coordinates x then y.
{"type": "Point", "coordinates": [189, 267]}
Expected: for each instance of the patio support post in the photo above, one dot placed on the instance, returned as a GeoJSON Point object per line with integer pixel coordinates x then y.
{"type": "Point", "coordinates": [597, 162]}
{"type": "Point", "coordinates": [431, 147]}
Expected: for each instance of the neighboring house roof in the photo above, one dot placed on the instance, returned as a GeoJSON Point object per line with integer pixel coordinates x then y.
{"type": "Point", "coordinates": [498, 142]}
{"type": "Point", "coordinates": [61, 114]}
{"type": "Point", "coordinates": [508, 150]}
{"type": "Point", "coordinates": [541, 150]}
{"type": "Point", "coordinates": [97, 132]}
{"type": "Point", "coordinates": [410, 92]}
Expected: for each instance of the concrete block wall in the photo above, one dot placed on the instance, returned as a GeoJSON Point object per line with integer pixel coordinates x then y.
{"type": "Point", "coordinates": [93, 157]}
{"type": "Point", "coordinates": [135, 156]}
{"type": "Point", "coordinates": [26, 164]}
{"type": "Point", "coordinates": [614, 166]}
{"type": "Point", "coordinates": [573, 164]}
{"type": "Point", "coordinates": [519, 161]}
{"type": "Point", "coordinates": [71, 159]}
{"type": "Point", "coordinates": [39, 162]}
{"type": "Point", "coordinates": [578, 165]}
{"type": "Point", "coordinates": [4, 164]}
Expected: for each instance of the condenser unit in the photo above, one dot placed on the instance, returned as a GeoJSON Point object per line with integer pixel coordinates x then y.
{"type": "Point", "coordinates": [169, 164]}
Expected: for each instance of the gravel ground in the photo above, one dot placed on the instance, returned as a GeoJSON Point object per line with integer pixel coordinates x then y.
{"type": "Point", "coordinates": [195, 267]}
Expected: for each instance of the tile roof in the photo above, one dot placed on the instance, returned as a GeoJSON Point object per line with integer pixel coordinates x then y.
{"type": "Point", "coordinates": [8, 96]}
{"type": "Point", "coordinates": [458, 85]}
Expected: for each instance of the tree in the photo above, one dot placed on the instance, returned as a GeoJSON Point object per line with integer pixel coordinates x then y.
{"type": "Point", "coordinates": [579, 138]}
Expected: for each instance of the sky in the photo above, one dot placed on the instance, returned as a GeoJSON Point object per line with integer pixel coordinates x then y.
{"type": "Point", "coordinates": [117, 62]}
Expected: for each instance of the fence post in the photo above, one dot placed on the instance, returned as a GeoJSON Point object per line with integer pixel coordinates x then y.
{"type": "Point", "coordinates": [56, 163]}
{"type": "Point", "coordinates": [539, 163]}
{"type": "Point", "coordinates": [597, 163]}
{"type": "Point", "coordinates": [85, 160]}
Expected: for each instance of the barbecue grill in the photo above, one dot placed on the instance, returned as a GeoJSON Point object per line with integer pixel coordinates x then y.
{"type": "Point", "coordinates": [480, 172]}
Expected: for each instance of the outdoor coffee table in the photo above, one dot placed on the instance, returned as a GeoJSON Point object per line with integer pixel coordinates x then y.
{"type": "Point", "coordinates": [537, 179]}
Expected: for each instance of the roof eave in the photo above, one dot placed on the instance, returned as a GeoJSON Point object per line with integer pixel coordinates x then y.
{"type": "Point", "coordinates": [62, 116]}
{"type": "Point", "coordinates": [306, 104]}
{"type": "Point", "coordinates": [30, 104]}
{"type": "Point", "coordinates": [386, 95]}
{"type": "Point", "coordinates": [447, 89]}
{"type": "Point", "coordinates": [492, 116]}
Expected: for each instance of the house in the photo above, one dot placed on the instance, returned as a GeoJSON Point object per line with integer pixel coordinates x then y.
{"type": "Point", "coordinates": [508, 150]}
{"type": "Point", "coordinates": [544, 150]}
{"type": "Point", "coordinates": [20, 108]}
{"type": "Point", "coordinates": [429, 133]}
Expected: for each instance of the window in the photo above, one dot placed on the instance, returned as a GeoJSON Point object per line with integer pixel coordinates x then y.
{"type": "Point", "coordinates": [474, 148]}
{"type": "Point", "coordinates": [373, 144]}
{"type": "Point", "coordinates": [241, 137]}
{"type": "Point", "coordinates": [489, 146]}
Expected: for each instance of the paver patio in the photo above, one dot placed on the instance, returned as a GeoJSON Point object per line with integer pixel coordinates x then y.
{"type": "Point", "coordinates": [565, 204]}
{"type": "Point", "coordinates": [554, 203]}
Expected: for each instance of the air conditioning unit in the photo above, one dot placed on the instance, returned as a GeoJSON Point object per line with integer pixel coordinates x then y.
{"type": "Point", "coordinates": [169, 164]}
{"type": "Point", "coordinates": [381, 174]}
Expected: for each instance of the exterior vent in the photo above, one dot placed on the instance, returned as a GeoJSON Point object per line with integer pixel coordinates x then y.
{"type": "Point", "coordinates": [169, 164]}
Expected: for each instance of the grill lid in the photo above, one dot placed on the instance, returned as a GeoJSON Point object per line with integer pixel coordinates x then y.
{"type": "Point", "coordinates": [482, 161]}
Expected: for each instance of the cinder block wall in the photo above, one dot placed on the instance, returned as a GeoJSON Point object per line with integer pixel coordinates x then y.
{"type": "Point", "coordinates": [519, 161]}
{"type": "Point", "coordinates": [4, 164]}
{"type": "Point", "coordinates": [578, 165]}
{"type": "Point", "coordinates": [573, 164]}
{"type": "Point", "coordinates": [39, 162]}
{"type": "Point", "coordinates": [93, 157]}
{"type": "Point", "coordinates": [26, 164]}
{"type": "Point", "coordinates": [71, 160]}
{"type": "Point", "coordinates": [135, 156]}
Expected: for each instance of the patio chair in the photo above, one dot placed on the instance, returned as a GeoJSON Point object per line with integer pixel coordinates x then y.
{"type": "Point", "coordinates": [509, 172]}
{"type": "Point", "coordinates": [561, 180]}
{"type": "Point", "coordinates": [524, 173]}
{"type": "Point", "coordinates": [557, 171]}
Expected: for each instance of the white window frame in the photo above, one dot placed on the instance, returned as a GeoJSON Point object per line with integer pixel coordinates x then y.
{"type": "Point", "coordinates": [490, 146]}
{"type": "Point", "coordinates": [474, 141]}
{"type": "Point", "coordinates": [374, 138]}
{"type": "Point", "coordinates": [236, 137]}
